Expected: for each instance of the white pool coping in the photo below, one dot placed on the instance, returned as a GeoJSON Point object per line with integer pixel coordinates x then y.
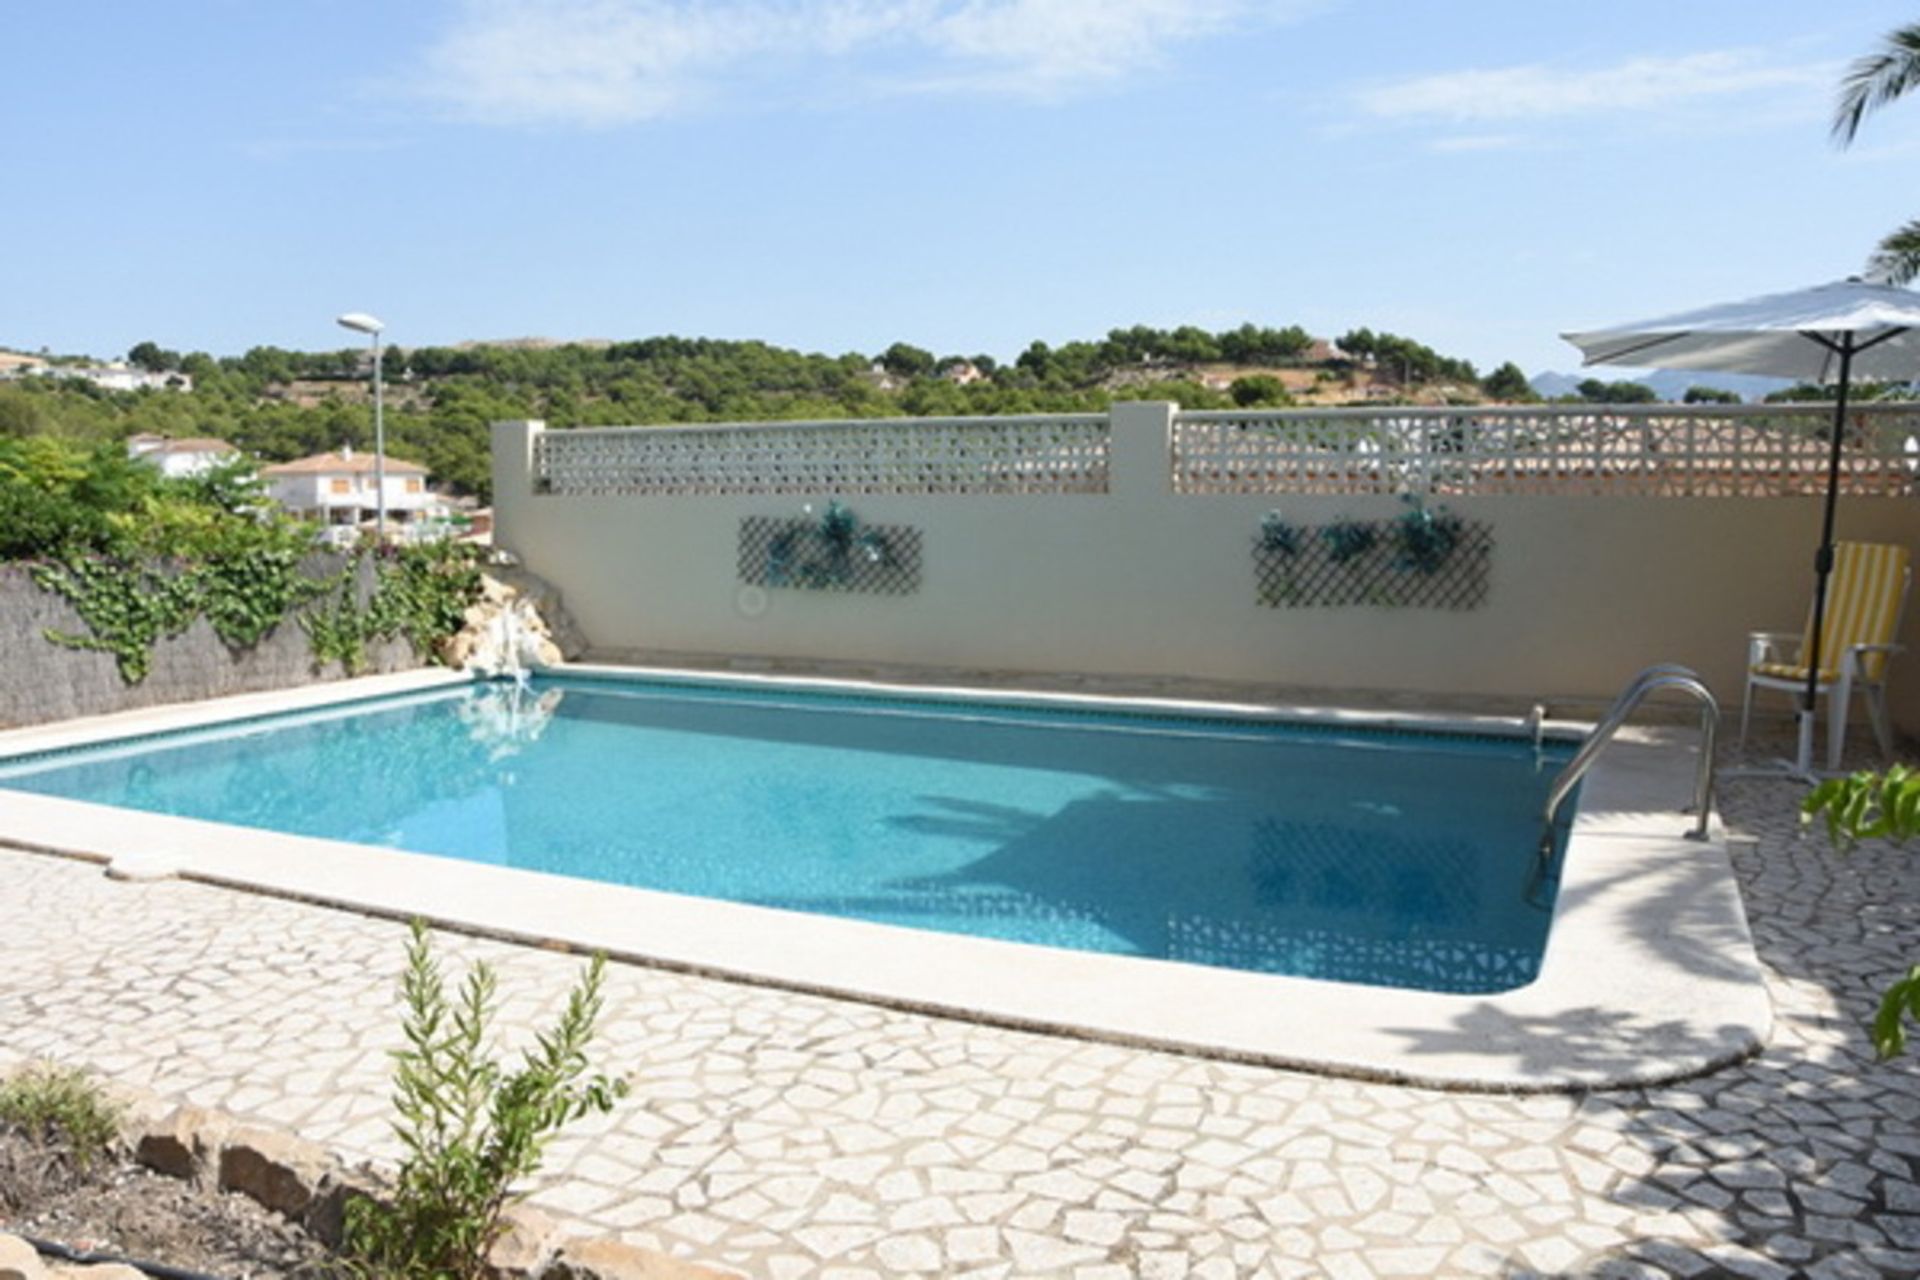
{"type": "Point", "coordinates": [1649, 973]}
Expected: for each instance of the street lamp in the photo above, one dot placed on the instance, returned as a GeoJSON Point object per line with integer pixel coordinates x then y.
{"type": "Point", "coordinates": [361, 322]}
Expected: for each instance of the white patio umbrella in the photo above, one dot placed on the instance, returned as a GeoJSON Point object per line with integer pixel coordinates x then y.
{"type": "Point", "coordinates": [1826, 334]}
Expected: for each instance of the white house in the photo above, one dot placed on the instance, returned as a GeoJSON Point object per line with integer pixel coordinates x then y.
{"type": "Point", "coordinates": [338, 489]}
{"type": "Point", "coordinates": [177, 458]}
{"type": "Point", "coordinates": [115, 376]}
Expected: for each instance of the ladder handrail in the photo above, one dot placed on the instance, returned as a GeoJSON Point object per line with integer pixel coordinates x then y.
{"type": "Point", "coordinates": [1665, 675]}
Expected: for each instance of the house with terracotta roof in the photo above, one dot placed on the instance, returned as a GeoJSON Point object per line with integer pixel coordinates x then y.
{"type": "Point", "coordinates": [339, 488]}
{"type": "Point", "coordinates": [195, 455]}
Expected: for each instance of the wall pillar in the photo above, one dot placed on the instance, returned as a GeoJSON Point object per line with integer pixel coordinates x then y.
{"type": "Point", "coordinates": [1140, 449]}
{"type": "Point", "coordinates": [513, 478]}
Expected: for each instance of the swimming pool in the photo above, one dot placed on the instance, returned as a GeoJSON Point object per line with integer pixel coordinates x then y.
{"type": "Point", "coordinates": [1387, 858]}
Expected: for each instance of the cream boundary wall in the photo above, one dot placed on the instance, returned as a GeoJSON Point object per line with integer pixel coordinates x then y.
{"type": "Point", "coordinates": [1584, 590]}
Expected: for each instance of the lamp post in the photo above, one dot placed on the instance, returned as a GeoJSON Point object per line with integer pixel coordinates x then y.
{"type": "Point", "coordinates": [361, 322]}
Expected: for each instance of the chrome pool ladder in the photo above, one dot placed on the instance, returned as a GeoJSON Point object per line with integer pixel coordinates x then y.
{"type": "Point", "coordinates": [1665, 675]}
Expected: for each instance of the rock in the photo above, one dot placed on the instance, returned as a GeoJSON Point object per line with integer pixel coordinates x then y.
{"type": "Point", "coordinates": [326, 1213]}
{"type": "Point", "coordinates": [545, 600]}
{"type": "Point", "coordinates": [141, 1111]}
{"type": "Point", "coordinates": [605, 1258]}
{"type": "Point", "coordinates": [280, 1172]}
{"type": "Point", "coordinates": [180, 1144]}
{"type": "Point", "coordinates": [20, 1260]}
{"type": "Point", "coordinates": [457, 649]}
{"type": "Point", "coordinates": [500, 636]}
{"type": "Point", "coordinates": [522, 1250]}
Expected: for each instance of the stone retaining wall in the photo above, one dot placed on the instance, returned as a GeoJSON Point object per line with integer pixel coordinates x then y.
{"type": "Point", "coordinates": [41, 681]}
{"type": "Point", "coordinates": [309, 1185]}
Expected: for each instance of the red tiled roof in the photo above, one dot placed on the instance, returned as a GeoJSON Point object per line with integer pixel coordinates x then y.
{"type": "Point", "coordinates": [335, 464]}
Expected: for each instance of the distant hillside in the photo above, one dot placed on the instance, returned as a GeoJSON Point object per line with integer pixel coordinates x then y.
{"type": "Point", "coordinates": [279, 404]}
{"type": "Point", "coordinates": [1668, 384]}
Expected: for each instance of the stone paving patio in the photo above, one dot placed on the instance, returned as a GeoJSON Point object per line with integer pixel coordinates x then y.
{"type": "Point", "coordinates": [791, 1136]}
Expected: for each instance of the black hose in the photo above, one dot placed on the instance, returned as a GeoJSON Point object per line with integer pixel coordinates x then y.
{"type": "Point", "coordinates": [158, 1270]}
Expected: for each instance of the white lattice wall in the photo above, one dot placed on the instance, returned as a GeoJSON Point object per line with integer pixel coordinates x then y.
{"type": "Point", "coordinates": [1724, 451]}
{"type": "Point", "coordinates": [1029, 454]}
{"type": "Point", "coordinates": [1121, 545]}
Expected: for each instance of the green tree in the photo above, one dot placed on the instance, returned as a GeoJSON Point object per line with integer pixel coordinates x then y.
{"type": "Point", "coordinates": [1259, 389]}
{"type": "Point", "coordinates": [20, 414]}
{"type": "Point", "coordinates": [1897, 257]}
{"type": "Point", "coordinates": [903, 360]}
{"type": "Point", "coordinates": [1709, 395]}
{"type": "Point", "coordinates": [153, 358]}
{"type": "Point", "coordinates": [1508, 383]}
{"type": "Point", "coordinates": [1594, 391]}
{"type": "Point", "coordinates": [1882, 77]}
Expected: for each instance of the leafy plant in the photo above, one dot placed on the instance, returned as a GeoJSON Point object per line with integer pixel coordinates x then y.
{"type": "Point", "coordinates": [819, 553]}
{"type": "Point", "coordinates": [126, 608]}
{"type": "Point", "coordinates": [337, 628]}
{"type": "Point", "coordinates": [1277, 535]}
{"type": "Point", "coordinates": [1898, 1002]}
{"type": "Point", "coordinates": [1866, 806]}
{"type": "Point", "coordinates": [838, 525]}
{"type": "Point", "coordinates": [61, 1104]}
{"type": "Point", "coordinates": [1869, 806]}
{"type": "Point", "coordinates": [1348, 539]}
{"type": "Point", "coordinates": [780, 552]}
{"type": "Point", "coordinates": [421, 593]}
{"type": "Point", "coordinates": [472, 1131]}
{"type": "Point", "coordinates": [1427, 538]}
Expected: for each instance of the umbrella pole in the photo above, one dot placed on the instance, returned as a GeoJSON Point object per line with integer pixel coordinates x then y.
{"type": "Point", "coordinates": [1823, 559]}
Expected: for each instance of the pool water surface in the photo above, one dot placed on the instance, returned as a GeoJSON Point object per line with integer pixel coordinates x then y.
{"type": "Point", "coordinates": [1382, 857]}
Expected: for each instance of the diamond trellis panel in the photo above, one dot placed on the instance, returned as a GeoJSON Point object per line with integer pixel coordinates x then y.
{"type": "Point", "coordinates": [791, 551]}
{"type": "Point", "coordinates": [1034, 454]}
{"type": "Point", "coordinates": [1730, 451]}
{"type": "Point", "coordinates": [1315, 575]}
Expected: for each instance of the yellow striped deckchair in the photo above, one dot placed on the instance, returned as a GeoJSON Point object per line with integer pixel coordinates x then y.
{"type": "Point", "coordinates": [1866, 596]}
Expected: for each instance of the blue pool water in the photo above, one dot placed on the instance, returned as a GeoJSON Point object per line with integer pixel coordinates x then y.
{"type": "Point", "coordinates": [1393, 859]}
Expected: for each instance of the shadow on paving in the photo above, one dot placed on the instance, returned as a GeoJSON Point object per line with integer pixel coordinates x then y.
{"type": "Point", "coordinates": [1800, 1161]}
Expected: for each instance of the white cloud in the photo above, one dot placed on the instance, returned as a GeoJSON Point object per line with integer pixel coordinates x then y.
{"type": "Point", "coordinates": [1045, 47]}
{"type": "Point", "coordinates": [1481, 142]}
{"type": "Point", "coordinates": [600, 62]}
{"type": "Point", "coordinates": [1536, 90]}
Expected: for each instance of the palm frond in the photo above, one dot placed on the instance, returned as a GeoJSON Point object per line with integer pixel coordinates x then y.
{"type": "Point", "coordinates": [1879, 78]}
{"type": "Point", "coordinates": [1896, 260]}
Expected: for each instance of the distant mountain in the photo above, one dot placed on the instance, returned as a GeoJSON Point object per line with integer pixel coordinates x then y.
{"type": "Point", "coordinates": [1668, 384]}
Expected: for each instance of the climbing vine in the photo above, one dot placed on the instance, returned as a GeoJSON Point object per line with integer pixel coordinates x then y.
{"type": "Point", "coordinates": [127, 609]}
{"type": "Point", "coordinates": [419, 593]}
{"type": "Point", "coordinates": [246, 591]}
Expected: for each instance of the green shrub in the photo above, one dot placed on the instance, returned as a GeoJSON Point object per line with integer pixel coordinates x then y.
{"type": "Point", "coordinates": [60, 1104]}
{"type": "Point", "coordinates": [1259, 389]}
{"type": "Point", "coordinates": [1866, 806]}
{"type": "Point", "coordinates": [471, 1131]}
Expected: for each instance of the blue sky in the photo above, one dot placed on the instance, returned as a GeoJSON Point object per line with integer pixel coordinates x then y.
{"type": "Point", "coordinates": [966, 175]}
